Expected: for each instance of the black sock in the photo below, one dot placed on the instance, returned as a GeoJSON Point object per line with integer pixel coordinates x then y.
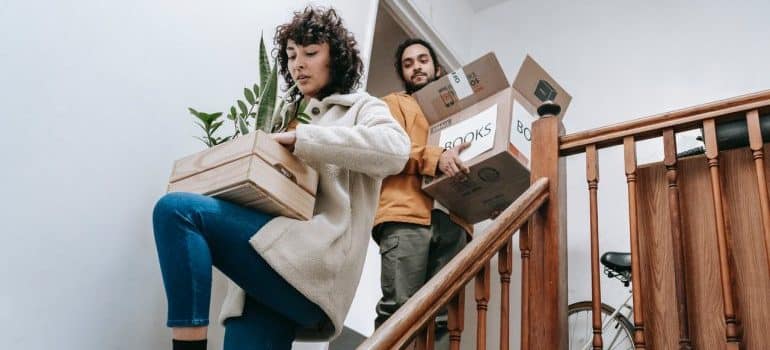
{"type": "Point", "coordinates": [189, 344]}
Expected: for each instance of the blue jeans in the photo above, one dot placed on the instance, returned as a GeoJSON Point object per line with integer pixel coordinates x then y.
{"type": "Point", "coordinates": [194, 233]}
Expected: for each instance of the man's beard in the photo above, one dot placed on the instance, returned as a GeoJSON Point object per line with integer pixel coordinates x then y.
{"type": "Point", "coordinates": [412, 88]}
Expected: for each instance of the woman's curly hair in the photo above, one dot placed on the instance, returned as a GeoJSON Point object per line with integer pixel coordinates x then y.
{"type": "Point", "coordinates": [317, 25]}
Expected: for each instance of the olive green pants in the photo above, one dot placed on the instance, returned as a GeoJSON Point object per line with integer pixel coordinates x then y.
{"type": "Point", "coordinates": [411, 254]}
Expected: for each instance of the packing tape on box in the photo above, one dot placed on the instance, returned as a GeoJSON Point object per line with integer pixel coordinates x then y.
{"type": "Point", "coordinates": [460, 84]}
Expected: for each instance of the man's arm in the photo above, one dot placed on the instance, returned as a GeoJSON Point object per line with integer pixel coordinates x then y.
{"type": "Point", "coordinates": [423, 159]}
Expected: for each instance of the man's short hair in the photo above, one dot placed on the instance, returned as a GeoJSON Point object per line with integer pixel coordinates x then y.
{"type": "Point", "coordinates": [409, 42]}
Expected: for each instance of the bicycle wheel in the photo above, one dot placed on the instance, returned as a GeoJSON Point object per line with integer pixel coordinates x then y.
{"type": "Point", "coordinates": [616, 335]}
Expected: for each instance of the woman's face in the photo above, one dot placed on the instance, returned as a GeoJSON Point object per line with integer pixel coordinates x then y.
{"type": "Point", "coordinates": [309, 66]}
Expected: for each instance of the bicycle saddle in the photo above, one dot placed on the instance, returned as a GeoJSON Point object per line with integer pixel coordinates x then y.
{"type": "Point", "coordinates": [616, 261]}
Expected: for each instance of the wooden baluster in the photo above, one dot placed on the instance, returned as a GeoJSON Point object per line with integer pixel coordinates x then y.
{"type": "Point", "coordinates": [481, 291]}
{"type": "Point", "coordinates": [592, 177]}
{"type": "Point", "coordinates": [430, 335]}
{"type": "Point", "coordinates": [524, 249]}
{"type": "Point", "coordinates": [505, 266]}
{"type": "Point", "coordinates": [680, 275]}
{"type": "Point", "coordinates": [419, 342]}
{"type": "Point", "coordinates": [712, 154]}
{"type": "Point", "coordinates": [756, 145]}
{"type": "Point", "coordinates": [629, 151]}
{"type": "Point", "coordinates": [547, 285]}
{"type": "Point", "coordinates": [456, 320]}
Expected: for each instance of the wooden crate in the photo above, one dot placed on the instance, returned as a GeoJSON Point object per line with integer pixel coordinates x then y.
{"type": "Point", "coordinates": [253, 171]}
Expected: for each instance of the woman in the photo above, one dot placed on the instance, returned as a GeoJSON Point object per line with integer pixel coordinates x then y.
{"type": "Point", "coordinates": [289, 278]}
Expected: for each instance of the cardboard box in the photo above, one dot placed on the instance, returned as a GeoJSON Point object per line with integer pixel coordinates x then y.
{"type": "Point", "coordinates": [476, 104]}
{"type": "Point", "coordinates": [254, 171]}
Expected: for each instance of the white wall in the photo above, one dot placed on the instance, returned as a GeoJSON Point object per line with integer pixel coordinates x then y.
{"type": "Point", "coordinates": [620, 61]}
{"type": "Point", "coordinates": [452, 19]}
{"type": "Point", "coordinates": [94, 97]}
{"type": "Point", "coordinates": [387, 36]}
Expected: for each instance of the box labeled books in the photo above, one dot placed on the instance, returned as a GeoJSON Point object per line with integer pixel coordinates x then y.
{"type": "Point", "coordinates": [252, 170]}
{"type": "Point", "coordinates": [476, 104]}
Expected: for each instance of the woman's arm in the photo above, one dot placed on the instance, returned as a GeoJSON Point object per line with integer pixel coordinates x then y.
{"type": "Point", "coordinates": [376, 145]}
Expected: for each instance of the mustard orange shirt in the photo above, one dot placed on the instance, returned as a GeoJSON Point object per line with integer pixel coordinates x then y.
{"type": "Point", "coordinates": [401, 197]}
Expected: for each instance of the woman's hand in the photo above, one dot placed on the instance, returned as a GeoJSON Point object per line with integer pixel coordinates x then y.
{"type": "Point", "coordinates": [450, 163]}
{"type": "Point", "coordinates": [287, 139]}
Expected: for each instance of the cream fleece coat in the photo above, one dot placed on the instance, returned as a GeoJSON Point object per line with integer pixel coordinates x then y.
{"type": "Point", "coordinates": [353, 142]}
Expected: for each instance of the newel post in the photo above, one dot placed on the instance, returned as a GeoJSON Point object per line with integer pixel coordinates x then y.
{"type": "Point", "coordinates": [546, 241]}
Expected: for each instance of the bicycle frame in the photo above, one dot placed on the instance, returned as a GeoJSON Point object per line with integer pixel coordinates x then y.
{"type": "Point", "coordinates": [609, 319]}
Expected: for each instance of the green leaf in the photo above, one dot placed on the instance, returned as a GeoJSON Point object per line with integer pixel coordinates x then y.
{"type": "Point", "coordinates": [256, 90]}
{"type": "Point", "coordinates": [215, 126]}
{"type": "Point", "coordinates": [205, 142]}
{"type": "Point", "coordinates": [278, 122]}
{"type": "Point", "coordinates": [209, 118]}
{"type": "Point", "coordinates": [242, 106]}
{"type": "Point", "coordinates": [302, 106]}
{"type": "Point", "coordinates": [203, 117]}
{"type": "Point", "coordinates": [264, 63]}
{"type": "Point", "coordinates": [233, 112]}
{"type": "Point", "coordinates": [242, 126]}
{"type": "Point", "coordinates": [303, 118]}
{"type": "Point", "coordinates": [249, 96]}
{"type": "Point", "coordinates": [215, 116]}
{"type": "Point", "coordinates": [267, 100]}
{"type": "Point", "coordinates": [199, 124]}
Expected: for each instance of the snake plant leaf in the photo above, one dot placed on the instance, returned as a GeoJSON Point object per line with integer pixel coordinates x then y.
{"type": "Point", "coordinates": [303, 118]}
{"type": "Point", "coordinates": [264, 63]}
{"type": "Point", "coordinates": [302, 106]}
{"type": "Point", "coordinates": [278, 121]}
{"type": "Point", "coordinates": [267, 100]}
{"type": "Point", "coordinates": [249, 96]}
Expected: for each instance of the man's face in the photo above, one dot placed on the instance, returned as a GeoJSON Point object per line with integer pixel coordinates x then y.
{"type": "Point", "coordinates": [417, 67]}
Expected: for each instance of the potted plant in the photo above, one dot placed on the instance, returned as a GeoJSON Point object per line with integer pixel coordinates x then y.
{"type": "Point", "coordinates": [247, 167]}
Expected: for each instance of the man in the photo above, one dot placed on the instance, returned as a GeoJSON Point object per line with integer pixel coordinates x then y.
{"type": "Point", "coordinates": [415, 234]}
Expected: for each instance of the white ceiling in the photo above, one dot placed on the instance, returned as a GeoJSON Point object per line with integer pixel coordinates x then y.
{"type": "Point", "coordinates": [479, 5]}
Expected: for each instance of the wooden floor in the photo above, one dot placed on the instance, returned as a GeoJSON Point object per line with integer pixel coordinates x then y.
{"type": "Point", "coordinates": [751, 278]}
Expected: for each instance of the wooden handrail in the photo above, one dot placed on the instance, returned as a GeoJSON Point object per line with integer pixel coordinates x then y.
{"type": "Point", "coordinates": [424, 304]}
{"type": "Point", "coordinates": [653, 126]}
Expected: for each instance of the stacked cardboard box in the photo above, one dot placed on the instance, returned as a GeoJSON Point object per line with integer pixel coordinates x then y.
{"type": "Point", "coordinates": [476, 104]}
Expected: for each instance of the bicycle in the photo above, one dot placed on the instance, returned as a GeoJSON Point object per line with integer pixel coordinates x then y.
{"type": "Point", "coordinates": [617, 330]}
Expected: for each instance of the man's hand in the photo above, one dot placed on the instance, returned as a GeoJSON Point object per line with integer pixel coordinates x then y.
{"type": "Point", "coordinates": [287, 139]}
{"type": "Point", "coordinates": [450, 164]}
